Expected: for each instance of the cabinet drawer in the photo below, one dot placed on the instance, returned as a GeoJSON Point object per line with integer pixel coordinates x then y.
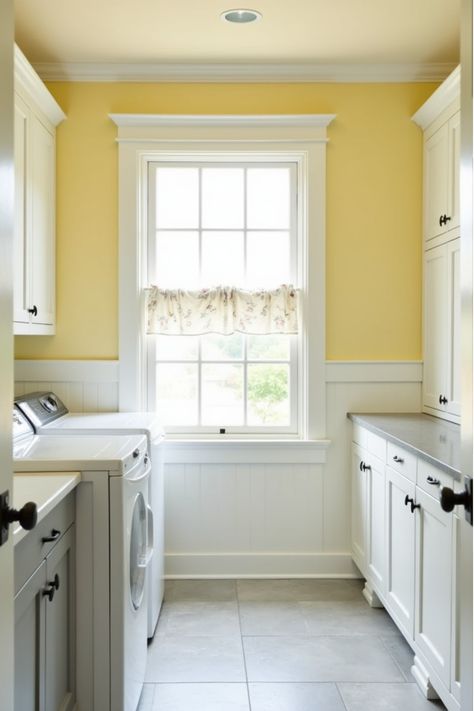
{"type": "Point", "coordinates": [401, 460]}
{"type": "Point", "coordinates": [359, 435]}
{"type": "Point", "coordinates": [431, 479]}
{"type": "Point", "coordinates": [376, 445]}
{"type": "Point", "coordinates": [31, 550]}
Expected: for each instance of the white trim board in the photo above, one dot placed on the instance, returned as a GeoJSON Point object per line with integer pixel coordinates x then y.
{"type": "Point", "coordinates": [27, 79]}
{"type": "Point", "coordinates": [259, 565]}
{"type": "Point", "coordinates": [374, 371]}
{"type": "Point", "coordinates": [213, 120]}
{"type": "Point", "coordinates": [243, 73]}
{"type": "Point", "coordinates": [245, 451]}
{"type": "Point", "coordinates": [70, 371]}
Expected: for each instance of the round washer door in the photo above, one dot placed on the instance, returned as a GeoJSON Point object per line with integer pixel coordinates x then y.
{"type": "Point", "coordinates": [138, 544]}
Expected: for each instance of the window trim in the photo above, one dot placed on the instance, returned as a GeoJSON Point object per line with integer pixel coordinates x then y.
{"type": "Point", "coordinates": [299, 138]}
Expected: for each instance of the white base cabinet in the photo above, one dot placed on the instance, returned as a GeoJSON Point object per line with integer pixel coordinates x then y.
{"type": "Point", "coordinates": [45, 617]}
{"type": "Point", "coordinates": [36, 116]}
{"type": "Point", "coordinates": [406, 547]}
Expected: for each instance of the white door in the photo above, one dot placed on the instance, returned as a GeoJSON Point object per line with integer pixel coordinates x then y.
{"type": "Point", "coordinates": [435, 327]}
{"type": "Point", "coordinates": [453, 336]}
{"type": "Point", "coordinates": [400, 551]}
{"type": "Point", "coordinates": [359, 508]}
{"type": "Point", "coordinates": [6, 362]}
{"type": "Point", "coordinates": [436, 181]}
{"type": "Point", "coordinates": [42, 256]}
{"type": "Point", "coordinates": [376, 525]}
{"type": "Point", "coordinates": [434, 567]}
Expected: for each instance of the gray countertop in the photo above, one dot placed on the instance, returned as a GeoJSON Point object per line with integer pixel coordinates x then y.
{"type": "Point", "coordinates": [435, 440]}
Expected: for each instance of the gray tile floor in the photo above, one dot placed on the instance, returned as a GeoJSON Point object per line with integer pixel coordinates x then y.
{"type": "Point", "coordinates": [277, 645]}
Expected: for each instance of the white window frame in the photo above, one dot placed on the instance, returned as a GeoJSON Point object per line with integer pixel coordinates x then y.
{"type": "Point", "coordinates": [297, 278]}
{"type": "Point", "coordinates": [147, 138]}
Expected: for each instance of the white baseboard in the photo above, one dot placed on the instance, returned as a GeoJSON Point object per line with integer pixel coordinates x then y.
{"type": "Point", "coordinates": [259, 565]}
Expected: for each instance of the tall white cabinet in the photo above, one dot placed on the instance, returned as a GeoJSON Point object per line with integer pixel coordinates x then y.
{"type": "Point", "coordinates": [36, 116]}
{"type": "Point", "coordinates": [439, 118]}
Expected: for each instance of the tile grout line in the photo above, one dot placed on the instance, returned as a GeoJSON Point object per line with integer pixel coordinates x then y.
{"type": "Point", "coordinates": [242, 644]}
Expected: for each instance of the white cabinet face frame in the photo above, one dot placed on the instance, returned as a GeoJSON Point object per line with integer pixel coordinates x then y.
{"type": "Point", "coordinates": [359, 508]}
{"type": "Point", "coordinates": [436, 179]}
{"type": "Point", "coordinates": [400, 554]}
{"type": "Point", "coordinates": [433, 584]}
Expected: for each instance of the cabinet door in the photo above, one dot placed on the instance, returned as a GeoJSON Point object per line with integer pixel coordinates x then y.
{"type": "Point", "coordinates": [20, 245]}
{"type": "Point", "coordinates": [42, 251]}
{"type": "Point", "coordinates": [359, 508]}
{"type": "Point", "coordinates": [376, 561]}
{"type": "Point", "coordinates": [29, 644]}
{"type": "Point", "coordinates": [453, 339]}
{"type": "Point", "coordinates": [60, 626]}
{"type": "Point", "coordinates": [454, 150]}
{"type": "Point", "coordinates": [433, 584]}
{"type": "Point", "coordinates": [436, 181]}
{"type": "Point", "coordinates": [400, 550]}
{"type": "Point", "coordinates": [435, 327]}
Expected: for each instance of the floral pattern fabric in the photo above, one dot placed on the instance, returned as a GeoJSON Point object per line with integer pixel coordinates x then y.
{"type": "Point", "coordinates": [223, 310]}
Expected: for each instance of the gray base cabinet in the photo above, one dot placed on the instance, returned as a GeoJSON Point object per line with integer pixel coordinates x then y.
{"type": "Point", "coordinates": [45, 628]}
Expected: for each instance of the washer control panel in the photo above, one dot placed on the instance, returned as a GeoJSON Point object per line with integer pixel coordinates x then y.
{"type": "Point", "coordinates": [41, 407]}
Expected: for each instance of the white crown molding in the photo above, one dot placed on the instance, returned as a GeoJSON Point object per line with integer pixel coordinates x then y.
{"type": "Point", "coordinates": [28, 81]}
{"type": "Point", "coordinates": [224, 120]}
{"type": "Point", "coordinates": [114, 72]}
{"type": "Point", "coordinates": [449, 91]}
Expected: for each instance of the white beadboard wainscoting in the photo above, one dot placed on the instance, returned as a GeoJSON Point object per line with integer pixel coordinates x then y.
{"type": "Point", "coordinates": [253, 509]}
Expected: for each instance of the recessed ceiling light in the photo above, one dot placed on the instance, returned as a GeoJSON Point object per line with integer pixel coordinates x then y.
{"type": "Point", "coordinates": [242, 16]}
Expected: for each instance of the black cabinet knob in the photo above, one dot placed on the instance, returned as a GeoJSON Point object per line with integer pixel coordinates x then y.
{"type": "Point", "coordinates": [408, 500]}
{"type": "Point", "coordinates": [33, 311]}
{"type": "Point", "coordinates": [364, 467]}
{"type": "Point", "coordinates": [443, 400]}
{"type": "Point", "coordinates": [398, 459]}
{"type": "Point", "coordinates": [443, 220]}
{"type": "Point", "coordinates": [433, 481]}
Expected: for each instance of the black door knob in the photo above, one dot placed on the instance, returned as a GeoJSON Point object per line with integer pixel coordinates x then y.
{"type": "Point", "coordinates": [33, 311]}
{"type": "Point", "coordinates": [27, 516]}
{"type": "Point", "coordinates": [449, 499]}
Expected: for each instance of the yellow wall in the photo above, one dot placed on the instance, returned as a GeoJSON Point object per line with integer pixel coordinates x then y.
{"type": "Point", "coordinates": [374, 177]}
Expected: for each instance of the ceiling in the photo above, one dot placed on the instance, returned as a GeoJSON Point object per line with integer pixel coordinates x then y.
{"type": "Point", "coordinates": [190, 31]}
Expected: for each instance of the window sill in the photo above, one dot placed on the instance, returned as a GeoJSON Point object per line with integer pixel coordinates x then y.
{"type": "Point", "coordinates": [245, 451]}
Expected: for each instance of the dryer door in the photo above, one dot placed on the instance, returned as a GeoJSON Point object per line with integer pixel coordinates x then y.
{"type": "Point", "coordinates": [138, 551]}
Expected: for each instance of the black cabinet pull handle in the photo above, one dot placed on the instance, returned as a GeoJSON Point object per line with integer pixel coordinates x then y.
{"type": "Point", "coordinates": [398, 459]}
{"type": "Point", "coordinates": [443, 400]}
{"type": "Point", "coordinates": [431, 480]}
{"type": "Point", "coordinates": [50, 591]}
{"type": "Point", "coordinates": [53, 537]}
{"type": "Point", "coordinates": [33, 311]}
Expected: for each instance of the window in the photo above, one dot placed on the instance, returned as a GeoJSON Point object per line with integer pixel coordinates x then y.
{"type": "Point", "coordinates": [148, 141]}
{"type": "Point", "coordinates": [228, 223]}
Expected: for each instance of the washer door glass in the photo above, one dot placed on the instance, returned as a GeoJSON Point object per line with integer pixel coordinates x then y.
{"type": "Point", "coordinates": [138, 545]}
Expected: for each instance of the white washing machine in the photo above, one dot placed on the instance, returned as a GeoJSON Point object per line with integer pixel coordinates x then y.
{"type": "Point", "coordinates": [114, 534]}
{"type": "Point", "coordinates": [48, 415]}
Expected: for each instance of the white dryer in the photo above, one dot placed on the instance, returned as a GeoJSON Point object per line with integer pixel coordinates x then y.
{"type": "Point", "coordinates": [48, 415]}
{"type": "Point", "coordinates": [114, 534]}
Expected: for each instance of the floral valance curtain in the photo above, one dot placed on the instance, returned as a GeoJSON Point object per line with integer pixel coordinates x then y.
{"type": "Point", "coordinates": [223, 310]}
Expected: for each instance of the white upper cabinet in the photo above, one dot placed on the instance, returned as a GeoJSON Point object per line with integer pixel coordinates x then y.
{"type": "Point", "coordinates": [439, 117]}
{"type": "Point", "coordinates": [36, 116]}
{"type": "Point", "coordinates": [441, 171]}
